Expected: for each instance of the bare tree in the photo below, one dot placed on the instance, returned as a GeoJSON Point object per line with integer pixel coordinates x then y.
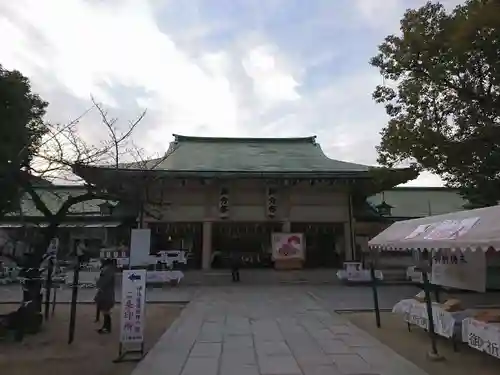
{"type": "Point", "coordinates": [63, 148]}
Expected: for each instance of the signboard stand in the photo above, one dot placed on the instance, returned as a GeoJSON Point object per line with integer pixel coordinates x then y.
{"type": "Point", "coordinates": [136, 355]}
{"type": "Point", "coordinates": [131, 347]}
{"type": "Point", "coordinates": [133, 302]}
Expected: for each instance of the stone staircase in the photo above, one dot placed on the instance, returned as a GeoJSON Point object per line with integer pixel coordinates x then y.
{"type": "Point", "coordinates": [275, 277]}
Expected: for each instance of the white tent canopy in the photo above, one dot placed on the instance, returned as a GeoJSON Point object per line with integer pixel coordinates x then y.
{"type": "Point", "coordinates": [471, 229]}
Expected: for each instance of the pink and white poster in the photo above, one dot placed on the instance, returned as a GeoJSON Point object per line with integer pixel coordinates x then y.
{"type": "Point", "coordinates": [288, 246]}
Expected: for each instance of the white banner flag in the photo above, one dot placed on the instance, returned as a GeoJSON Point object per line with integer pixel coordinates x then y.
{"type": "Point", "coordinates": [132, 307]}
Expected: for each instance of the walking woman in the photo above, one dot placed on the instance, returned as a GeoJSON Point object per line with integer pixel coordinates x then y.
{"type": "Point", "coordinates": [105, 297]}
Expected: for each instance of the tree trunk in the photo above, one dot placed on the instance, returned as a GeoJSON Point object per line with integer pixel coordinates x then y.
{"type": "Point", "coordinates": [32, 283]}
{"type": "Point", "coordinates": [32, 299]}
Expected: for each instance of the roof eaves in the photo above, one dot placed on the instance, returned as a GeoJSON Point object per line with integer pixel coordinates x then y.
{"type": "Point", "coordinates": [253, 174]}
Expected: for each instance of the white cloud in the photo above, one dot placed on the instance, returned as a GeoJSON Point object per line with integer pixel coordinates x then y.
{"type": "Point", "coordinates": [119, 52]}
{"type": "Point", "coordinates": [425, 179]}
{"type": "Point", "coordinates": [90, 47]}
{"type": "Point", "coordinates": [270, 83]}
{"type": "Point", "coordinates": [380, 12]}
{"type": "Point", "coordinates": [96, 45]}
{"type": "Point", "coordinates": [385, 14]}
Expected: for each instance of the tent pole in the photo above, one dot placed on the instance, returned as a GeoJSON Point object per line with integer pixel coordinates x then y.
{"type": "Point", "coordinates": [434, 351]}
{"type": "Point", "coordinates": [435, 288]}
{"type": "Point", "coordinates": [374, 289]}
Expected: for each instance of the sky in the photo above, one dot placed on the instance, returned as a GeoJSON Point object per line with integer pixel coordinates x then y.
{"type": "Point", "coordinates": [247, 68]}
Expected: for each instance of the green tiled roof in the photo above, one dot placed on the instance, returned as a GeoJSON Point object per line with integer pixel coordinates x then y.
{"type": "Point", "coordinates": [414, 202]}
{"type": "Point", "coordinates": [203, 154]}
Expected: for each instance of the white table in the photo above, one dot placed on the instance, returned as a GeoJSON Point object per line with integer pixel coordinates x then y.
{"type": "Point", "coordinates": [164, 276]}
{"type": "Point", "coordinates": [86, 279]}
{"type": "Point", "coordinates": [8, 274]}
{"type": "Point", "coordinates": [446, 324]}
{"type": "Point", "coordinates": [482, 336]}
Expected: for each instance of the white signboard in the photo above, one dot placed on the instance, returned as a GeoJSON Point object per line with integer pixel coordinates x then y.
{"type": "Point", "coordinates": [140, 245]}
{"type": "Point", "coordinates": [132, 306]}
{"type": "Point", "coordinates": [122, 262]}
{"type": "Point", "coordinates": [459, 269]}
{"type": "Point", "coordinates": [451, 229]}
{"type": "Point", "coordinates": [482, 336]}
{"type": "Point", "coordinates": [355, 272]}
{"type": "Point", "coordinates": [288, 246]}
{"type": "Point", "coordinates": [359, 276]}
{"type": "Point", "coordinates": [415, 276]}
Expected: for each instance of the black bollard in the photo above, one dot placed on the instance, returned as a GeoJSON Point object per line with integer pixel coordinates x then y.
{"type": "Point", "coordinates": [74, 298]}
{"type": "Point", "coordinates": [48, 288]}
{"type": "Point", "coordinates": [375, 295]}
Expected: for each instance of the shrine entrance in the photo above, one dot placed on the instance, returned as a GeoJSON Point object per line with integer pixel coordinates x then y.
{"type": "Point", "coordinates": [321, 244]}
{"type": "Point", "coordinates": [250, 241]}
{"type": "Point", "coordinates": [178, 236]}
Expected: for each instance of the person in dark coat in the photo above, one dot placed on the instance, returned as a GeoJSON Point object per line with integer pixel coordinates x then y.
{"type": "Point", "coordinates": [235, 266]}
{"type": "Point", "coordinates": [105, 296]}
{"type": "Point", "coordinates": [97, 311]}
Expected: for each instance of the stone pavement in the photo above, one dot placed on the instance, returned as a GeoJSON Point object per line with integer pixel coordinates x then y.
{"type": "Point", "coordinates": [245, 330]}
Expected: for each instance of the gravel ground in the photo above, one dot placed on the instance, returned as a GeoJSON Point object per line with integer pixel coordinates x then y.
{"type": "Point", "coordinates": [414, 346]}
{"type": "Point", "coordinates": [47, 353]}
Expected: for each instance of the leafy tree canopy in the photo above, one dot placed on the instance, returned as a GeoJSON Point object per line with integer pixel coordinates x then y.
{"type": "Point", "coordinates": [443, 96]}
{"type": "Point", "coordinates": [21, 132]}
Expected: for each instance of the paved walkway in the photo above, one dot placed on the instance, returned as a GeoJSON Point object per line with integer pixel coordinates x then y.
{"type": "Point", "coordinates": [267, 330]}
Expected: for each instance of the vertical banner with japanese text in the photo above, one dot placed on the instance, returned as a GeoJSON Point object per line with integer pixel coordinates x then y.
{"type": "Point", "coordinates": [132, 306]}
{"type": "Point", "coordinates": [459, 269]}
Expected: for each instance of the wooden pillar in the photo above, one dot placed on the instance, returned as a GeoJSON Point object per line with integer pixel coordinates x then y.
{"type": "Point", "coordinates": [206, 249]}
{"type": "Point", "coordinates": [349, 235]}
{"type": "Point", "coordinates": [348, 245]}
{"type": "Point", "coordinates": [286, 227]}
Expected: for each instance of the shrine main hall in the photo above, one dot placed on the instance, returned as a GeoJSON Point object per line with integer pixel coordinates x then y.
{"type": "Point", "coordinates": [212, 196]}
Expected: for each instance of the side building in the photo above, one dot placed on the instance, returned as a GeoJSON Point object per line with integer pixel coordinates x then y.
{"type": "Point", "coordinates": [402, 203]}
{"type": "Point", "coordinates": [98, 223]}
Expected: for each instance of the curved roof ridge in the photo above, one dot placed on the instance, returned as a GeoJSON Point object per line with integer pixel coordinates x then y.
{"type": "Point", "coordinates": [345, 162]}
{"type": "Point", "coordinates": [181, 138]}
